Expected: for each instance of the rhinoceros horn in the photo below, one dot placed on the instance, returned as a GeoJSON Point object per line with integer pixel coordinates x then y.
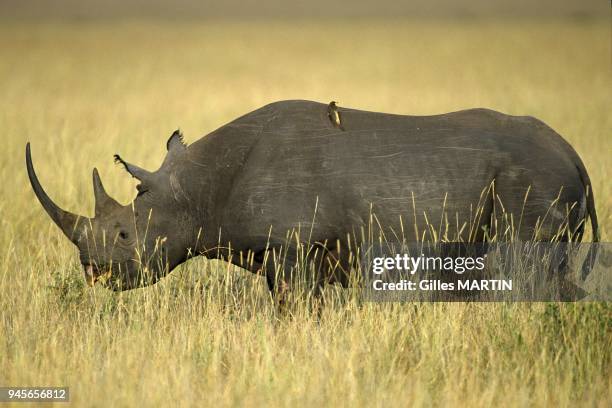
{"type": "Point", "coordinates": [104, 202]}
{"type": "Point", "coordinates": [67, 221]}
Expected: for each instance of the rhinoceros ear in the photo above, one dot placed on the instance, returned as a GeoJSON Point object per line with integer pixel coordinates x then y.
{"type": "Point", "coordinates": [134, 171]}
{"type": "Point", "coordinates": [104, 202]}
{"type": "Point", "coordinates": [176, 141]}
{"type": "Point", "coordinates": [176, 147]}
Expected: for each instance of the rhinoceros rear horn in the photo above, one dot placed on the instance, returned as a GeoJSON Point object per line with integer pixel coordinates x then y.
{"type": "Point", "coordinates": [104, 202]}
{"type": "Point", "coordinates": [67, 221]}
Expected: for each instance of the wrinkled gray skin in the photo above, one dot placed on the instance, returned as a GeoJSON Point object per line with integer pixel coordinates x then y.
{"type": "Point", "coordinates": [249, 182]}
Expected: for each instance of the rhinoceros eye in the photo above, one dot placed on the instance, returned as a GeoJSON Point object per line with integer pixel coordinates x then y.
{"type": "Point", "coordinates": [141, 190]}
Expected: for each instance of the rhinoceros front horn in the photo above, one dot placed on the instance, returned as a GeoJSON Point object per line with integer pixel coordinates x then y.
{"type": "Point", "coordinates": [68, 222]}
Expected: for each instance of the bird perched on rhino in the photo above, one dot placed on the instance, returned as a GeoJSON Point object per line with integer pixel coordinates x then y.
{"type": "Point", "coordinates": [334, 115]}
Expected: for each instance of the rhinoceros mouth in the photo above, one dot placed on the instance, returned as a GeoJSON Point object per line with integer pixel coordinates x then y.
{"type": "Point", "coordinates": [96, 272]}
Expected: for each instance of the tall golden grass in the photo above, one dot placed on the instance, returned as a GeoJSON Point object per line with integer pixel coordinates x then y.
{"type": "Point", "coordinates": [209, 333]}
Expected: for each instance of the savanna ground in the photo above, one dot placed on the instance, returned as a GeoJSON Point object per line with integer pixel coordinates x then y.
{"type": "Point", "coordinates": [209, 334]}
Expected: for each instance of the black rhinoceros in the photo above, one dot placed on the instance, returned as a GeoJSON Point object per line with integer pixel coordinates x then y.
{"type": "Point", "coordinates": [285, 176]}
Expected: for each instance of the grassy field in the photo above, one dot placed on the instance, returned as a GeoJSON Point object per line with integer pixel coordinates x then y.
{"type": "Point", "coordinates": [209, 334]}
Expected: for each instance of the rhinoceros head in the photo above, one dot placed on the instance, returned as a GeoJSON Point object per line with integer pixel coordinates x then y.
{"type": "Point", "coordinates": [126, 247]}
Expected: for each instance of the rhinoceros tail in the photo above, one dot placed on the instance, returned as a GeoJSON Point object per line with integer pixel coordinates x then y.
{"type": "Point", "coordinates": [592, 214]}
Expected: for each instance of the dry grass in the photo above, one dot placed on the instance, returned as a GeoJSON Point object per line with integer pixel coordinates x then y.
{"type": "Point", "coordinates": [81, 92]}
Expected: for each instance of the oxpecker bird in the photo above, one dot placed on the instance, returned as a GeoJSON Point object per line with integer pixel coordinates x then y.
{"type": "Point", "coordinates": [334, 115]}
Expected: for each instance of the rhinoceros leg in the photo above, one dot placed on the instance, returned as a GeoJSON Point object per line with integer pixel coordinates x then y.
{"type": "Point", "coordinates": [550, 214]}
{"type": "Point", "coordinates": [298, 271]}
